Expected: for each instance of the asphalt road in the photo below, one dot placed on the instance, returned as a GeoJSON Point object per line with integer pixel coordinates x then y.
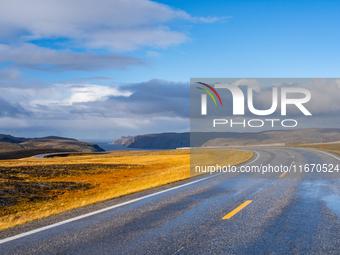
{"type": "Point", "coordinates": [297, 213]}
{"type": "Point", "coordinates": [66, 154]}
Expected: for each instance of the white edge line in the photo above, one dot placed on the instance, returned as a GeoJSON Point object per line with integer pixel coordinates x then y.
{"type": "Point", "coordinates": [329, 154]}
{"type": "Point", "coordinates": [108, 208]}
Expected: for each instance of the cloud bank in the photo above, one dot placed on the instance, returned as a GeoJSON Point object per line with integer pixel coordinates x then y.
{"type": "Point", "coordinates": [118, 25]}
{"type": "Point", "coordinates": [30, 56]}
{"type": "Point", "coordinates": [84, 35]}
{"type": "Point", "coordinates": [82, 110]}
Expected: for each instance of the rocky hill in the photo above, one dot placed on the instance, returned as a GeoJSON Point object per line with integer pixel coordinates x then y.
{"type": "Point", "coordinates": [17, 147]}
{"type": "Point", "coordinates": [156, 141]}
{"type": "Point", "coordinates": [177, 140]}
{"type": "Point", "coordinates": [297, 136]}
{"type": "Point", "coordinates": [12, 139]}
{"type": "Point", "coordinates": [124, 140]}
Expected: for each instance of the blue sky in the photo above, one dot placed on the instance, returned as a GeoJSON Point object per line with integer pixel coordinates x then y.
{"type": "Point", "coordinates": [81, 68]}
{"type": "Point", "coordinates": [256, 39]}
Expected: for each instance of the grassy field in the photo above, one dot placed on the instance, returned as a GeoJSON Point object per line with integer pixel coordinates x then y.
{"type": "Point", "coordinates": [335, 147]}
{"type": "Point", "coordinates": [32, 188]}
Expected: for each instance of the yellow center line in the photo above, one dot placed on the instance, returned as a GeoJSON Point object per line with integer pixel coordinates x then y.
{"type": "Point", "coordinates": [236, 210]}
{"type": "Point", "coordinates": [293, 156]}
{"type": "Point", "coordinates": [282, 174]}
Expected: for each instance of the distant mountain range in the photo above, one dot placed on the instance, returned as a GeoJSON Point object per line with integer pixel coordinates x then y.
{"type": "Point", "coordinates": [177, 140]}
{"type": "Point", "coordinates": [17, 147]}
{"type": "Point", "coordinates": [155, 141]}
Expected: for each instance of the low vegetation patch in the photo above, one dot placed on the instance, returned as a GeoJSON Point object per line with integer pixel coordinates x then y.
{"type": "Point", "coordinates": [33, 188]}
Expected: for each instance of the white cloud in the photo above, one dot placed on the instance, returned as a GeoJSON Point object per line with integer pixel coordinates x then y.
{"type": "Point", "coordinates": [153, 106]}
{"type": "Point", "coordinates": [9, 74]}
{"type": "Point", "coordinates": [324, 101]}
{"type": "Point", "coordinates": [60, 95]}
{"type": "Point", "coordinates": [153, 54]}
{"type": "Point", "coordinates": [113, 24]}
{"type": "Point", "coordinates": [88, 93]}
{"type": "Point", "coordinates": [78, 28]}
{"type": "Point", "coordinates": [338, 82]}
{"type": "Point", "coordinates": [118, 24]}
{"type": "Point", "coordinates": [94, 110]}
{"type": "Point", "coordinates": [210, 19]}
{"type": "Point", "coordinates": [31, 56]}
{"type": "Point", "coordinates": [251, 83]}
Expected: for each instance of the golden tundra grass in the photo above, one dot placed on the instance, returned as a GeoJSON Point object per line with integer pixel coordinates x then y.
{"type": "Point", "coordinates": [32, 188]}
{"type": "Point", "coordinates": [334, 147]}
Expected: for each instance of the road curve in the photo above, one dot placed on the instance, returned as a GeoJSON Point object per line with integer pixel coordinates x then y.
{"type": "Point", "coordinates": [44, 155]}
{"type": "Point", "coordinates": [229, 213]}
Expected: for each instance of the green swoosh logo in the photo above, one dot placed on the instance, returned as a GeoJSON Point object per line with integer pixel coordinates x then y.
{"type": "Point", "coordinates": [208, 93]}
